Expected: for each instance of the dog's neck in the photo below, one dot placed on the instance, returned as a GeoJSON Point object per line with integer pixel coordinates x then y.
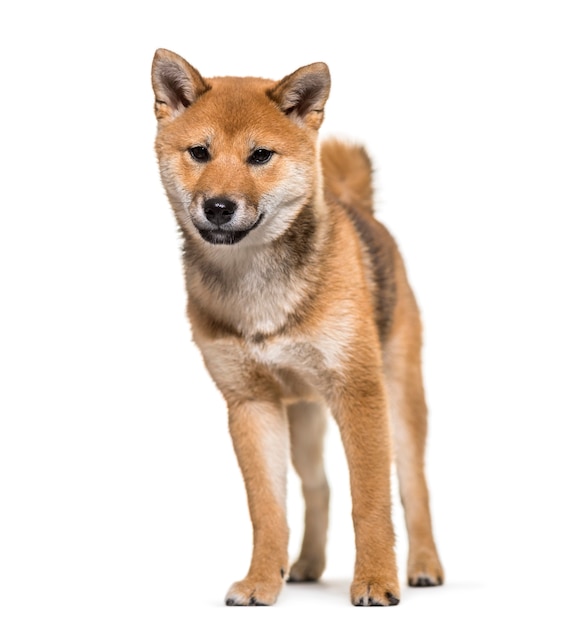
{"type": "Point", "coordinates": [258, 289]}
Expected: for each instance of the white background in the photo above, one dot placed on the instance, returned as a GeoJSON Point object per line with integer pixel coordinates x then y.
{"type": "Point", "coordinates": [120, 498]}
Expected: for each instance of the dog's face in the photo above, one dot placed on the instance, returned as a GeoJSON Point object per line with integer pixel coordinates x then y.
{"type": "Point", "coordinates": [237, 156]}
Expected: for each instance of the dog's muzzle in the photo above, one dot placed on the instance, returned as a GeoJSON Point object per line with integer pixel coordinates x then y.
{"type": "Point", "coordinates": [219, 229]}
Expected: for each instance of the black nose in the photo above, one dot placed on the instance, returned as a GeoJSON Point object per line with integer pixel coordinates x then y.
{"type": "Point", "coordinates": [219, 210]}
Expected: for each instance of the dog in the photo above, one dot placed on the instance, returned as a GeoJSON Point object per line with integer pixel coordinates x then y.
{"type": "Point", "coordinates": [298, 300]}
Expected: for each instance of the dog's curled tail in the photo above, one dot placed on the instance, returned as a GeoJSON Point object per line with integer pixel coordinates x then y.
{"type": "Point", "coordinates": [348, 174]}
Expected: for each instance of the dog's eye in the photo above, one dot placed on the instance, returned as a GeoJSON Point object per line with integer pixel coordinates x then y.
{"type": "Point", "coordinates": [199, 154]}
{"type": "Point", "coordinates": [260, 156]}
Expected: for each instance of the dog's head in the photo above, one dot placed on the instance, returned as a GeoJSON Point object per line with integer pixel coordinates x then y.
{"type": "Point", "coordinates": [238, 156]}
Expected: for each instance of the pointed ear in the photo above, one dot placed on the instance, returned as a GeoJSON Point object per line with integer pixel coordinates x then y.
{"type": "Point", "coordinates": [176, 84]}
{"type": "Point", "coordinates": [303, 94]}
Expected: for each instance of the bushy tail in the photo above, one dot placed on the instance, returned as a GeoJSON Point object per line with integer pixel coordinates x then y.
{"type": "Point", "coordinates": [347, 171]}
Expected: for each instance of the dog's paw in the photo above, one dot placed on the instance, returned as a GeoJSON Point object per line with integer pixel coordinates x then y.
{"type": "Point", "coordinates": [249, 592]}
{"type": "Point", "coordinates": [306, 570]}
{"type": "Point", "coordinates": [425, 570]}
{"type": "Point", "coordinates": [374, 593]}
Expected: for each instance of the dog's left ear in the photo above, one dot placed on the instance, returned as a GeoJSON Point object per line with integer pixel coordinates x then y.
{"type": "Point", "coordinates": [303, 94]}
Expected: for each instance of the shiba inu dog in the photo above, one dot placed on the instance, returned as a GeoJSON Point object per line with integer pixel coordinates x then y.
{"type": "Point", "coordinates": [299, 302]}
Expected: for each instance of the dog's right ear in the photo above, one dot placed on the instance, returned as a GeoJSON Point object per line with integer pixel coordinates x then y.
{"type": "Point", "coordinates": [176, 84]}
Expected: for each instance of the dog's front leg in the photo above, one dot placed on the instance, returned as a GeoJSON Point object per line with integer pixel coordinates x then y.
{"type": "Point", "coordinates": [360, 408]}
{"type": "Point", "coordinates": [260, 434]}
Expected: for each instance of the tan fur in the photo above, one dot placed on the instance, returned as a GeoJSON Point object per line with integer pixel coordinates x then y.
{"type": "Point", "coordinates": [347, 174]}
{"type": "Point", "coordinates": [299, 302]}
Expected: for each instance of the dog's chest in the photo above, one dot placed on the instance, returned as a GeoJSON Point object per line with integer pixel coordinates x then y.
{"type": "Point", "coordinates": [298, 366]}
{"type": "Point", "coordinates": [255, 303]}
{"type": "Point", "coordinates": [284, 353]}
{"type": "Point", "coordinates": [311, 356]}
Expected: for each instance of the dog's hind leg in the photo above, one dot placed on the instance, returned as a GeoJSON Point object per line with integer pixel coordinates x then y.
{"type": "Point", "coordinates": [307, 421]}
{"type": "Point", "coordinates": [409, 426]}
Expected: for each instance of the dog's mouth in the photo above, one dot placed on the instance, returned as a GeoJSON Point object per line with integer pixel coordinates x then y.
{"type": "Point", "coordinates": [223, 236]}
